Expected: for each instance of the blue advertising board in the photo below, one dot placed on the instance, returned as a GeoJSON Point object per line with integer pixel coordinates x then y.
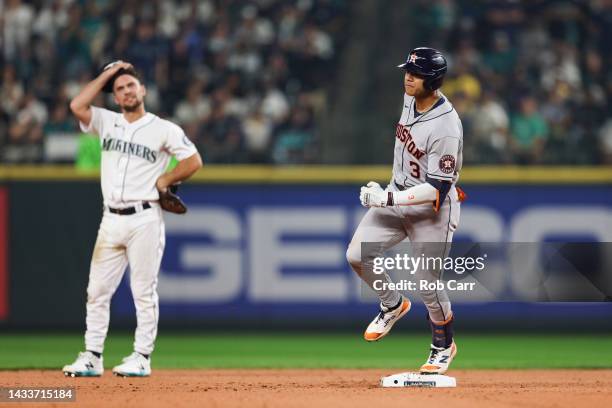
{"type": "Point", "coordinates": [277, 252]}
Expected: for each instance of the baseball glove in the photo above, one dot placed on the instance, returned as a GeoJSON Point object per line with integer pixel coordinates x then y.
{"type": "Point", "coordinates": [169, 201]}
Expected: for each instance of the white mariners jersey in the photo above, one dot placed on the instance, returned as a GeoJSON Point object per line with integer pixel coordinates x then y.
{"type": "Point", "coordinates": [135, 154]}
{"type": "Point", "coordinates": [428, 144]}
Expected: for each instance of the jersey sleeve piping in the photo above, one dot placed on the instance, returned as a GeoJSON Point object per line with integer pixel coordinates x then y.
{"type": "Point", "coordinates": [437, 176]}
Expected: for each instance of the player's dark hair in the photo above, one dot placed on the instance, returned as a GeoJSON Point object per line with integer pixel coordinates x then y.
{"type": "Point", "coordinates": [108, 87]}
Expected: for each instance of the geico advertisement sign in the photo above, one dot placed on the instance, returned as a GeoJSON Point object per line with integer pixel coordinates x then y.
{"type": "Point", "coordinates": [297, 254]}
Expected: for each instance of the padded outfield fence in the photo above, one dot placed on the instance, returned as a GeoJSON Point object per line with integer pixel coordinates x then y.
{"type": "Point", "coordinates": [264, 246]}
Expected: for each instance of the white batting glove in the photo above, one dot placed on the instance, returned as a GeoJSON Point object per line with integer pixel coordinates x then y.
{"type": "Point", "coordinates": [372, 195]}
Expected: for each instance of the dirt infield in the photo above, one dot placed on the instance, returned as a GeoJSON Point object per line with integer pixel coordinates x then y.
{"type": "Point", "coordinates": [323, 388]}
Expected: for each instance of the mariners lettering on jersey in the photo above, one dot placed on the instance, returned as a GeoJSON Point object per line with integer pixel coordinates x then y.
{"type": "Point", "coordinates": [122, 146]}
{"type": "Point", "coordinates": [403, 134]}
{"type": "Point", "coordinates": [151, 139]}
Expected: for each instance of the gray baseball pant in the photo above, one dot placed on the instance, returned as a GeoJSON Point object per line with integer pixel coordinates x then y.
{"type": "Point", "coordinates": [419, 224]}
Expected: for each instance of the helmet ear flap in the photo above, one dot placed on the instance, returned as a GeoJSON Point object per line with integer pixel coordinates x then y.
{"type": "Point", "coordinates": [432, 84]}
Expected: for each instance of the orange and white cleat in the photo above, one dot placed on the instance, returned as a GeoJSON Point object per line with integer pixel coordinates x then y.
{"type": "Point", "coordinates": [384, 321]}
{"type": "Point", "coordinates": [439, 359]}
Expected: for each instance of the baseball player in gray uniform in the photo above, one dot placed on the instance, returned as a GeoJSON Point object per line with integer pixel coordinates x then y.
{"type": "Point", "coordinates": [421, 203]}
{"type": "Point", "coordinates": [136, 149]}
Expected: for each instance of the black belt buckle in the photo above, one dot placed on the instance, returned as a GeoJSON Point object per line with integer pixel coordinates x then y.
{"type": "Point", "coordinates": [128, 210]}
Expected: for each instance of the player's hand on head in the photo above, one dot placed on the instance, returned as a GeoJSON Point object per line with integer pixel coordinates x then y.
{"type": "Point", "coordinates": [125, 65]}
{"type": "Point", "coordinates": [117, 65]}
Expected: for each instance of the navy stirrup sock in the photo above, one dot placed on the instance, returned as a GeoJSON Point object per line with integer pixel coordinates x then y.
{"type": "Point", "coordinates": [442, 334]}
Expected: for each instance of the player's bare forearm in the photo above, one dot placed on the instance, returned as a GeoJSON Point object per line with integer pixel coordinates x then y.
{"type": "Point", "coordinates": [183, 170]}
{"type": "Point", "coordinates": [81, 104]}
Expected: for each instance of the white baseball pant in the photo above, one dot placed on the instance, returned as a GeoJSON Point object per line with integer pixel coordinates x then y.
{"type": "Point", "coordinates": [137, 240]}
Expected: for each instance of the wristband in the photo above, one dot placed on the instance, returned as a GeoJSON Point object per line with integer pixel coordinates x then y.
{"type": "Point", "coordinates": [390, 199]}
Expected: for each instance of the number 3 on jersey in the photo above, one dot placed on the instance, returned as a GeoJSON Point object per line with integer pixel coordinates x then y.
{"type": "Point", "coordinates": [416, 170]}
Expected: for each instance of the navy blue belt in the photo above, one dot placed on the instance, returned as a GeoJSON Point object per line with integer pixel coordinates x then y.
{"type": "Point", "coordinates": [129, 210]}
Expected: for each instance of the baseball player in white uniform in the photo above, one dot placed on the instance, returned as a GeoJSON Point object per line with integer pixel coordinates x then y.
{"type": "Point", "coordinates": [421, 203]}
{"type": "Point", "coordinates": [136, 149]}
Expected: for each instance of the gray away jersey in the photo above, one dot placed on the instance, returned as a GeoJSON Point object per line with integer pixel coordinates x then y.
{"type": "Point", "coordinates": [429, 144]}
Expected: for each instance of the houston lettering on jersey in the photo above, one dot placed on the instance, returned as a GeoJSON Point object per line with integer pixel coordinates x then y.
{"type": "Point", "coordinates": [129, 148]}
{"type": "Point", "coordinates": [403, 134]}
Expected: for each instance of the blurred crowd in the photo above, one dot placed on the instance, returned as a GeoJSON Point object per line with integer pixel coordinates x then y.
{"type": "Point", "coordinates": [248, 80]}
{"type": "Point", "coordinates": [531, 79]}
{"type": "Point", "coordinates": [245, 79]}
